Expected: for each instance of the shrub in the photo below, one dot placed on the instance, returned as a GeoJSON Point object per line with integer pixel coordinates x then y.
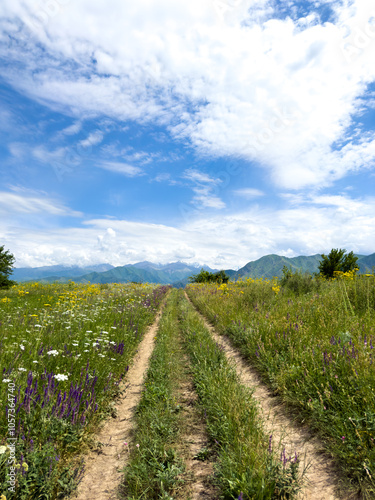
{"type": "Point", "coordinates": [207, 277]}
{"type": "Point", "coordinates": [299, 283]}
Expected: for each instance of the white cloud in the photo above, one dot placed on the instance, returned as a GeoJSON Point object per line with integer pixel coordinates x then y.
{"type": "Point", "coordinates": [44, 155]}
{"type": "Point", "coordinates": [225, 241]}
{"type": "Point", "coordinates": [228, 76]}
{"type": "Point", "coordinates": [23, 201]}
{"type": "Point", "coordinates": [121, 168]}
{"type": "Point", "coordinates": [92, 140]}
{"type": "Point", "coordinates": [197, 176]}
{"type": "Point", "coordinates": [73, 129]}
{"type": "Point", "coordinates": [249, 192]}
{"type": "Point", "coordinates": [204, 187]}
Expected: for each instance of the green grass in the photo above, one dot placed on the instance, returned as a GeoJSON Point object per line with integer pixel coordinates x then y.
{"type": "Point", "coordinates": [315, 350]}
{"type": "Point", "coordinates": [246, 466]}
{"type": "Point", "coordinates": [64, 350]}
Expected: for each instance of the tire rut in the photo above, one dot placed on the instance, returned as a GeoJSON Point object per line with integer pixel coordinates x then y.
{"type": "Point", "coordinates": [103, 472]}
{"type": "Point", "coordinates": [321, 477]}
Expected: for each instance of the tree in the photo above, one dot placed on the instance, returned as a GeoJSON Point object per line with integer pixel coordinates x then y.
{"type": "Point", "coordinates": [207, 277]}
{"type": "Point", "coordinates": [6, 268]}
{"type": "Point", "coordinates": [337, 260]}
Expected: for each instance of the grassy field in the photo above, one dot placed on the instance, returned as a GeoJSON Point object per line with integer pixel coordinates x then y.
{"type": "Point", "coordinates": [64, 350]}
{"type": "Point", "coordinates": [313, 342]}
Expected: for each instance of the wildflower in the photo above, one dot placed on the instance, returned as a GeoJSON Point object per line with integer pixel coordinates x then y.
{"type": "Point", "coordinates": [22, 347]}
{"type": "Point", "coordinates": [3, 449]}
{"type": "Point", "coordinates": [53, 352]}
{"type": "Point", "coordinates": [343, 438]}
{"type": "Point", "coordinates": [35, 361]}
{"type": "Point", "coordinates": [137, 445]}
{"type": "Point", "coordinates": [22, 369]}
{"type": "Point", "coordinates": [3, 497]}
{"type": "Point", "coordinates": [25, 466]}
{"type": "Point", "coordinates": [7, 380]}
{"type": "Point", "coordinates": [61, 377]}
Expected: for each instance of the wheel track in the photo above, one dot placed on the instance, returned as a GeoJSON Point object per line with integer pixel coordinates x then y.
{"type": "Point", "coordinates": [103, 472]}
{"type": "Point", "coordinates": [321, 477]}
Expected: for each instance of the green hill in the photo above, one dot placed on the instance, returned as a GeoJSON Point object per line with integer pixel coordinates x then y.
{"type": "Point", "coordinates": [272, 265]}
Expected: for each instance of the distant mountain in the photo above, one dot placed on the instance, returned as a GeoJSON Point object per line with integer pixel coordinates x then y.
{"type": "Point", "coordinates": [176, 273]}
{"type": "Point", "coordinates": [57, 272]}
{"type": "Point", "coordinates": [272, 265]}
{"type": "Point", "coordinates": [366, 263]}
{"type": "Point", "coordinates": [143, 272]}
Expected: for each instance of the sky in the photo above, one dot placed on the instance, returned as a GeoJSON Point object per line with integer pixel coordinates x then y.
{"type": "Point", "coordinates": [204, 131]}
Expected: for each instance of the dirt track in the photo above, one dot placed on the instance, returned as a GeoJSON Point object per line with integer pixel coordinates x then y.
{"type": "Point", "coordinates": [321, 477]}
{"type": "Point", "coordinates": [103, 471]}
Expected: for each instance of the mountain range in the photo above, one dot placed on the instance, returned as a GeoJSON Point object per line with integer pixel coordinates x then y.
{"type": "Point", "coordinates": [175, 273]}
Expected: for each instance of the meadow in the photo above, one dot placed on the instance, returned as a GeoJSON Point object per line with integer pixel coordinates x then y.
{"type": "Point", "coordinates": [312, 341]}
{"type": "Point", "coordinates": [64, 351]}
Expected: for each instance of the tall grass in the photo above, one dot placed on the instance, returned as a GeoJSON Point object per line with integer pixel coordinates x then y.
{"type": "Point", "coordinates": [316, 351]}
{"type": "Point", "coordinates": [64, 350]}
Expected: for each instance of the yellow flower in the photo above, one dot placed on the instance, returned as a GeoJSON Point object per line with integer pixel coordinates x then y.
{"type": "Point", "coordinates": [25, 466]}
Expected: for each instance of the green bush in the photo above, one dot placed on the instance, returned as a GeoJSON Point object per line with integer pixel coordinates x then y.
{"type": "Point", "coordinates": [299, 283]}
{"type": "Point", "coordinates": [207, 277]}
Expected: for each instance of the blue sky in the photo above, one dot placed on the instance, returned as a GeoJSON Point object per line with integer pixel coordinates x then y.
{"type": "Point", "coordinates": [211, 132]}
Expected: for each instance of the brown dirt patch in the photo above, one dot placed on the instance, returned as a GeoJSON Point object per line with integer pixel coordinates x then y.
{"type": "Point", "coordinates": [103, 472]}
{"type": "Point", "coordinates": [322, 480]}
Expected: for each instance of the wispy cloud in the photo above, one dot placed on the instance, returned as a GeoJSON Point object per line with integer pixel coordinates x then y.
{"type": "Point", "coordinates": [73, 129]}
{"type": "Point", "coordinates": [249, 192]}
{"type": "Point", "coordinates": [204, 187]}
{"type": "Point", "coordinates": [21, 201]}
{"type": "Point", "coordinates": [93, 139]}
{"type": "Point", "coordinates": [200, 177]}
{"type": "Point", "coordinates": [121, 168]}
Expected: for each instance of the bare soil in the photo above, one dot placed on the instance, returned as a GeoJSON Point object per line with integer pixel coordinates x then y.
{"type": "Point", "coordinates": [322, 480]}
{"type": "Point", "coordinates": [103, 470]}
